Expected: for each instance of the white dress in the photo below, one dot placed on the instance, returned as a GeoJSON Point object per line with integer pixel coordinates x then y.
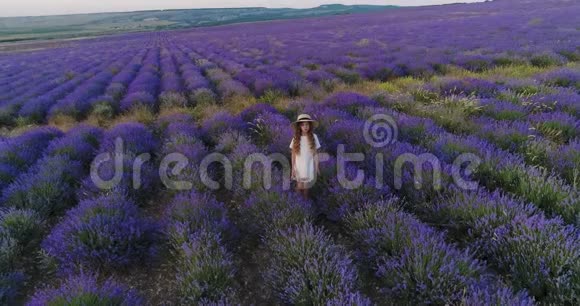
{"type": "Point", "coordinates": [305, 159]}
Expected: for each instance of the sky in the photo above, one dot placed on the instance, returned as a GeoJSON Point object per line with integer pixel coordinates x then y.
{"type": "Point", "coordinates": [10, 8]}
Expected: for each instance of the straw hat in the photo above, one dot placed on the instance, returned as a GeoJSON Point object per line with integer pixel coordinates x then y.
{"type": "Point", "coordinates": [305, 118]}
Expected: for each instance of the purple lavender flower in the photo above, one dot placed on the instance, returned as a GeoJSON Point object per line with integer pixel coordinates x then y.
{"type": "Point", "coordinates": [524, 87]}
{"type": "Point", "coordinates": [566, 160]}
{"type": "Point", "coordinates": [265, 211]}
{"type": "Point", "coordinates": [8, 173]}
{"type": "Point", "coordinates": [165, 120]}
{"type": "Point", "coordinates": [380, 70]}
{"type": "Point", "coordinates": [192, 78]}
{"type": "Point", "coordinates": [342, 198]}
{"type": "Point", "coordinates": [138, 98]}
{"type": "Point", "coordinates": [564, 100]}
{"type": "Point", "coordinates": [36, 109]}
{"type": "Point", "coordinates": [306, 267]}
{"type": "Point", "coordinates": [19, 153]}
{"type": "Point", "coordinates": [501, 110]}
{"type": "Point", "coordinates": [469, 86]}
{"type": "Point", "coordinates": [220, 122]}
{"type": "Point", "coordinates": [136, 138]}
{"type": "Point", "coordinates": [184, 138]}
{"type": "Point", "coordinates": [170, 82]}
{"type": "Point", "coordinates": [105, 233]}
{"type": "Point", "coordinates": [189, 213]}
{"type": "Point", "coordinates": [507, 135]}
{"type": "Point", "coordinates": [501, 169]}
{"type": "Point", "coordinates": [412, 261]}
{"type": "Point", "coordinates": [147, 81]}
{"type": "Point", "coordinates": [540, 255]}
{"type": "Point", "coordinates": [320, 76]}
{"type": "Point", "coordinates": [205, 270]}
{"type": "Point", "coordinates": [230, 88]}
{"type": "Point", "coordinates": [272, 131]}
{"type": "Point", "coordinates": [179, 126]}
{"type": "Point", "coordinates": [252, 112]}
{"type": "Point", "coordinates": [47, 188]}
{"type": "Point", "coordinates": [558, 126]}
{"type": "Point", "coordinates": [496, 295]}
{"type": "Point", "coordinates": [463, 211]}
{"type": "Point", "coordinates": [75, 103]}
{"type": "Point", "coordinates": [80, 143]}
{"type": "Point", "coordinates": [349, 102]}
{"type": "Point", "coordinates": [84, 289]}
{"type": "Point", "coordinates": [417, 130]}
{"type": "Point", "coordinates": [350, 299]}
{"type": "Point", "coordinates": [476, 63]}
{"type": "Point", "coordinates": [326, 116]}
{"type": "Point", "coordinates": [564, 77]}
{"type": "Point", "coordinates": [348, 133]}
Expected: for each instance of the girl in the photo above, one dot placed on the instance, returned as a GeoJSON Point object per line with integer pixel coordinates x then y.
{"type": "Point", "coordinates": [304, 146]}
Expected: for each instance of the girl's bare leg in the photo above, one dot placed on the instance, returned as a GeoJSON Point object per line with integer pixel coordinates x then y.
{"type": "Point", "coordinates": [301, 188]}
{"type": "Point", "coordinates": [304, 190]}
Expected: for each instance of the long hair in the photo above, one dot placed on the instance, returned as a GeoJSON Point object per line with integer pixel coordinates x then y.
{"type": "Point", "coordinates": [297, 134]}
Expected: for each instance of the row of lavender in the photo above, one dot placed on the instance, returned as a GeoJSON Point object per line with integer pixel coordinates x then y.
{"type": "Point", "coordinates": [152, 77]}
{"type": "Point", "coordinates": [537, 134]}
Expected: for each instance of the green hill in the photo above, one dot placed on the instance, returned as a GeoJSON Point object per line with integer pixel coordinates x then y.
{"type": "Point", "coordinates": [70, 26]}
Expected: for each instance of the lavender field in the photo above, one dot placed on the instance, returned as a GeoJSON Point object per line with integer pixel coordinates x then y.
{"type": "Point", "coordinates": [499, 80]}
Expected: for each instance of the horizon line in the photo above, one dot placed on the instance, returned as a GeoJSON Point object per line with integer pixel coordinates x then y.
{"type": "Point", "coordinates": [233, 8]}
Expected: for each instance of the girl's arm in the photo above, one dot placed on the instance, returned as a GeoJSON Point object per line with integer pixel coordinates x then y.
{"type": "Point", "coordinates": [293, 165]}
{"type": "Point", "coordinates": [316, 162]}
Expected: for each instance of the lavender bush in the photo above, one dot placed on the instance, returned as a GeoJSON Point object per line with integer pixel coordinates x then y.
{"type": "Point", "coordinates": [24, 226]}
{"type": "Point", "coordinates": [47, 188]}
{"type": "Point", "coordinates": [85, 289]}
{"type": "Point", "coordinates": [412, 262]}
{"type": "Point", "coordinates": [305, 266]}
{"type": "Point", "coordinates": [205, 271]}
{"type": "Point", "coordinates": [540, 255]}
{"type": "Point", "coordinates": [19, 153]}
{"type": "Point", "coordinates": [265, 211]}
{"type": "Point", "coordinates": [191, 212]}
{"type": "Point", "coordinates": [78, 144]}
{"type": "Point", "coordinates": [104, 233]}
